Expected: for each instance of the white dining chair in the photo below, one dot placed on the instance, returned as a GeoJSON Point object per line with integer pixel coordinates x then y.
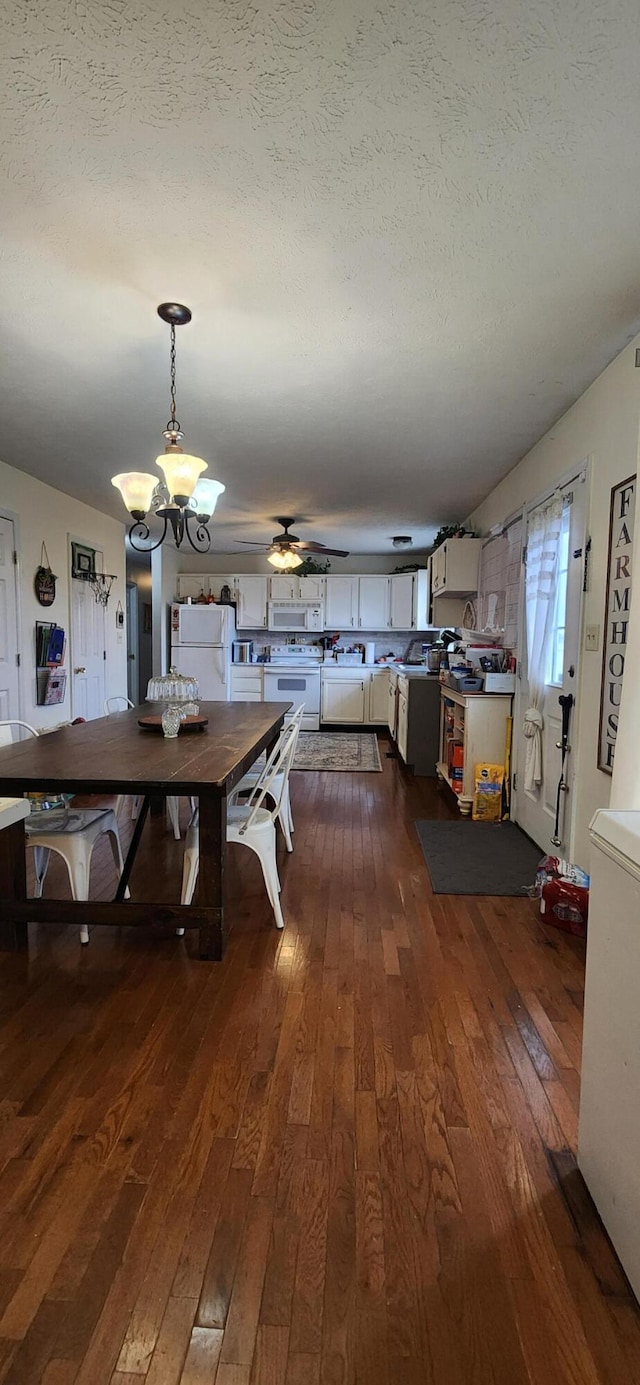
{"type": "Point", "coordinates": [71, 834]}
{"type": "Point", "coordinates": [112, 705]}
{"type": "Point", "coordinates": [250, 824]}
{"type": "Point", "coordinates": [250, 779]}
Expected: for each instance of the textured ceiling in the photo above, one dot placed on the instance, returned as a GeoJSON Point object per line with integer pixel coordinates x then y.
{"type": "Point", "coordinates": [409, 234]}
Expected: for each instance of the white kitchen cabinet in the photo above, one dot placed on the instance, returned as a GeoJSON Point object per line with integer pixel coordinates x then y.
{"type": "Point", "coordinates": [392, 703]}
{"type": "Point", "coordinates": [373, 603]}
{"type": "Point", "coordinates": [402, 601]}
{"type": "Point", "coordinates": [378, 696]}
{"type": "Point", "coordinates": [311, 588]}
{"type": "Point", "coordinates": [284, 588]}
{"type": "Point", "coordinates": [288, 587]}
{"type": "Point", "coordinates": [252, 603]}
{"type": "Point", "coordinates": [410, 600]}
{"type": "Point", "coordinates": [344, 697]}
{"type": "Point", "coordinates": [454, 567]}
{"type": "Point", "coordinates": [193, 584]}
{"type": "Point", "coordinates": [246, 683]}
{"type": "Point", "coordinates": [341, 607]}
{"type": "Point", "coordinates": [403, 723]}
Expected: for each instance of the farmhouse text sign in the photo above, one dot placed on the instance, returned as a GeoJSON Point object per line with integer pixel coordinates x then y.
{"type": "Point", "coordinates": [616, 619]}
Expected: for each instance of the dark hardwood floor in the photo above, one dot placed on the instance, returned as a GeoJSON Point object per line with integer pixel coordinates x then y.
{"type": "Point", "coordinates": [345, 1154]}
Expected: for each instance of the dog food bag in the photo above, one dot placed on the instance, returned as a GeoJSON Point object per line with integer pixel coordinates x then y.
{"type": "Point", "coordinates": [487, 799]}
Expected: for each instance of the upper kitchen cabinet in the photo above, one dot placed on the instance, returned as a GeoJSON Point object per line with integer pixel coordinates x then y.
{"type": "Point", "coordinates": [292, 588]}
{"type": "Point", "coordinates": [373, 603]}
{"type": "Point", "coordinates": [251, 611]}
{"type": "Point", "coordinates": [410, 600]}
{"type": "Point", "coordinates": [454, 567]}
{"type": "Point", "coordinates": [193, 584]}
{"type": "Point", "coordinates": [341, 608]}
{"type": "Point", "coordinates": [283, 588]}
{"type": "Point", "coordinates": [311, 588]}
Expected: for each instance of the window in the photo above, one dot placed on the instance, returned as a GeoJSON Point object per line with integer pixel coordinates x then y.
{"type": "Point", "coordinates": [557, 633]}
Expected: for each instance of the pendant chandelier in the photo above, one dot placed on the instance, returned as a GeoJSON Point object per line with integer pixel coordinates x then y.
{"type": "Point", "coordinates": [185, 500]}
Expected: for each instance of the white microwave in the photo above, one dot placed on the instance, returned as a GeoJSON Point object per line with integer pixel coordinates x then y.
{"type": "Point", "coordinates": [296, 616]}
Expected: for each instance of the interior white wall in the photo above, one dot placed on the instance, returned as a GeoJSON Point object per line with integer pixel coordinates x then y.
{"type": "Point", "coordinates": [41, 513]}
{"type": "Point", "coordinates": [188, 561]}
{"type": "Point", "coordinates": [603, 427]}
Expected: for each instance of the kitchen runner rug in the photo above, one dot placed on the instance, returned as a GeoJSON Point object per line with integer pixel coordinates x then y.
{"type": "Point", "coordinates": [339, 750]}
{"type": "Point", "coordinates": [478, 857]}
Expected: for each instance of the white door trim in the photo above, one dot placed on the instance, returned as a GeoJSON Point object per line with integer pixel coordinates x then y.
{"type": "Point", "coordinates": [23, 671]}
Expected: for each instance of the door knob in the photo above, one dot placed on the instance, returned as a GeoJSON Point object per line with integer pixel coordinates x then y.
{"type": "Point", "coordinates": [79, 670]}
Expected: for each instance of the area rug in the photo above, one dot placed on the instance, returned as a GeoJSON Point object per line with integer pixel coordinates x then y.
{"type": "Point", "coordinates": [354, 751]}
{"type": "Point", "coordinates": [478, 857]}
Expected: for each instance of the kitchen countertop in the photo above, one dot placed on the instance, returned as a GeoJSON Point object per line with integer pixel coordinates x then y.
{"type": "Point", "coordinates": [408, 670]}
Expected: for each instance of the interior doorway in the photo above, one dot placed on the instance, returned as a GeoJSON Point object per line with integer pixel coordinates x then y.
{"type": "Point", "coordinates": [133, 661]}
{"type": "Point", "coordinates": [555, 542]}
{"type": "Point", "coordinates": [9, 631]}
{"type": "Point", "coordinates": [88, 650]}
{"type": "Point", "coordinates": [139, 624]}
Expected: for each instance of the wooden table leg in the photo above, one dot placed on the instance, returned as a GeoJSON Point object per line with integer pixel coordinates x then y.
{"type": "Point", "coordinates": [211, 874]}
{"type": "Point", "coordinates": [13, 885]}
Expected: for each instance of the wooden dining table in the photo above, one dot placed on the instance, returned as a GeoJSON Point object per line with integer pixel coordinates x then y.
{"type": "Point", "coordinates": [114, 755]}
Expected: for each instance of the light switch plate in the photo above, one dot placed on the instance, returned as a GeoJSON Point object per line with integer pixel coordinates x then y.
{"type": "Point", "coordinates": [592, 637]}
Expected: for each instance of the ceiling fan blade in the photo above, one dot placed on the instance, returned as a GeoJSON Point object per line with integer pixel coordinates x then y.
{"type": "Point", "coordinates": [320, 548]}
{"type": "Point", "coordinates": [252, 543]}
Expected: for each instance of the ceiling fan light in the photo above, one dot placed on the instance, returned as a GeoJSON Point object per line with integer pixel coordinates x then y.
{"type": "Point", "coordinates": [181, 473]}
{"type": "Point", "coordinates": [136, 489]}
{"type": "Point", "coordinates": [285, 559]}
{"type": "Point", "coordinates": [205, 497]}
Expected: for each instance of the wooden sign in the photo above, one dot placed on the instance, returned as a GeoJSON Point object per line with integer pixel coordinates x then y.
{"type": "Point", "coordinates": [616, 617]}
{"type": "Point", "coordinates": [44, 582]}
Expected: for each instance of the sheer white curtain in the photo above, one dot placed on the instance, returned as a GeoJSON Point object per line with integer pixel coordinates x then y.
{"type": "Point", "coordinates": [540, 590]}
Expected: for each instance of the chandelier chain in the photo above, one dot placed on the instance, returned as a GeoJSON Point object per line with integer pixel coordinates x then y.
{"type": "Point", "coordinates": [173, 424]}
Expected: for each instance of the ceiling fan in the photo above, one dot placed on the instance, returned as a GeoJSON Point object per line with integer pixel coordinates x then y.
{"type": "Point", "coordinates": [285, 549]}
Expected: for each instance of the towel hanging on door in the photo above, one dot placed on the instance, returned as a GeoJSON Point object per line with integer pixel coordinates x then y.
{"type": "Point", "coordinates": [532, 729]}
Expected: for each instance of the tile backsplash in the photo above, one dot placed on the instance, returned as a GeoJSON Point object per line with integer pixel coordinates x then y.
{"type": "Point", "coordinates": [395, 642]}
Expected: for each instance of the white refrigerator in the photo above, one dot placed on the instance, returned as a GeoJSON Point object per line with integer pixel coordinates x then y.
{"type": "Point", "coordinates": [201, 645]}
{"type": "Point", "coordinates": [609, 1138]}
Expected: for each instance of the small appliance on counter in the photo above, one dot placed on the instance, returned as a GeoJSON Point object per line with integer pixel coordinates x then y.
{"type": "Point", "coordinates": [242, 651]}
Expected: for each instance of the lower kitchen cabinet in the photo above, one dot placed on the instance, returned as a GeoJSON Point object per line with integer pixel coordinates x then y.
{"type": "Point", "coordinates": [378, 696]}
{"type": "Point", "coordinates": [343, 698]}
{"type": "Point", "coordinates": [414, 720]}
{"type": "Point", "coordinates": [246, 683]}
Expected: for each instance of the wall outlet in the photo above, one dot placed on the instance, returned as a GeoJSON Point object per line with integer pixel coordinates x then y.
{"type": "Point", "coordinates": [592, 637]}
{"type": "Point", "coordinates": [119, 637]}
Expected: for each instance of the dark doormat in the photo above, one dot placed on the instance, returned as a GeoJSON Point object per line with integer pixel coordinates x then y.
{"type": "Point", "coordinates": [478, 857]}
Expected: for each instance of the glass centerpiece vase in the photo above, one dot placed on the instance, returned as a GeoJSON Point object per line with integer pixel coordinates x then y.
{"type": "Point", "coordinates": [176, 697]}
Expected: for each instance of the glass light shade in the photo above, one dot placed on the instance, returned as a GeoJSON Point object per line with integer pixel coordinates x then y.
{"type": "Point", "coordinates": [285, 559]}
{"type": "Point", "coordinates": [136, 489]}
{"type": "Point", "coordinates": [181, 473]}
{"type": "Point", "coordinates": [205, 497]}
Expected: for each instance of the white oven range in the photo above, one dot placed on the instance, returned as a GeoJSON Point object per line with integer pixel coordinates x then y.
{"type": "Point", "coordinates": [293, 675]}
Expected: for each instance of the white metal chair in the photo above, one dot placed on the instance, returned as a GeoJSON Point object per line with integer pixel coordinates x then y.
{"type": "Point", "coordinates": [250, 824]}
{"type": "Point", "coordinates": [71, 835]}
{"type": "Point", "coordinates": [250, 779]}
{"type": "Point", "coordinates": [112, 705]}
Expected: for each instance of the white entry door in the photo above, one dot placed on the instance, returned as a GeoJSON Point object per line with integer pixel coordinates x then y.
{"type": "Point", "coordinates": [535, 809]}
{"type": "Point", "coordinates": [9, 675]}
{"type": "Point", "coordinates": [87, 652]}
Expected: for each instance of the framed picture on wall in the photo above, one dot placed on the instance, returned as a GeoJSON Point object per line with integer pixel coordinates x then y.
{"type": "Point", "coordinates": [616, 617]}
{"type": "Point", "coordinates": [83, 561]}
